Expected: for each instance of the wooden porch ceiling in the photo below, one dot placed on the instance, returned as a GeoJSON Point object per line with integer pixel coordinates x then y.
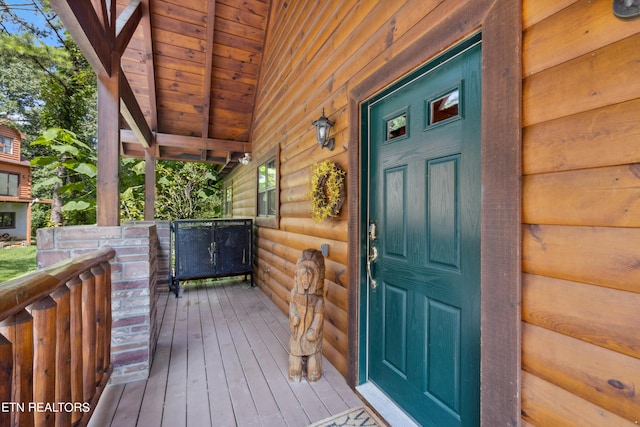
{"type": "Point", "coordinates": [189, 71]}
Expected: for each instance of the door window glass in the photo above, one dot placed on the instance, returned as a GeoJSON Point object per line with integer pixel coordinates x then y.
{"type": "Point", "coordinates": [445, 107]}
{"type": "Point", "coordinates": [397, 126]}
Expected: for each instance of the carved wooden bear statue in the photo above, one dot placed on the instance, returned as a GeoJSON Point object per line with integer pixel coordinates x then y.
{"type": "Point", "coordinates": [306, 315]}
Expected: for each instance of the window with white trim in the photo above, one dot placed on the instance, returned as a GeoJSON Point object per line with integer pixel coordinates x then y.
{"type": "Point", "coordinates": [267, 180]}
{"type": "Point", "coordinates": [6, 145]}
{"type": "Point", "coordinates": [8, 184]}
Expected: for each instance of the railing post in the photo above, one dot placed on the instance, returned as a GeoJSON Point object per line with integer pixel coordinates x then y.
{"type": "Point", "coordinates": [75, 325]}
{"type": "Point", "coordinates": [19, 330]}
{"type": "Point", "coordinates": [101, 316]}
{"type": "Point", "coordinates": [107, 292]}
{"type": "Point", "coordinates": [44, 362]}
{"type": "Point", "coordinates": [62, 297]}
{"type": "Point", "coordinates": [6, 376]}
{"type": "Point", "coordinates": [88, 335]}
{"type": "Point", "coordinates": [55, 342]}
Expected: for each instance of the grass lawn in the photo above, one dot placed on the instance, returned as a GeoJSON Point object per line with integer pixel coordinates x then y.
{"type": "Point", "coordinates": [15, 262]}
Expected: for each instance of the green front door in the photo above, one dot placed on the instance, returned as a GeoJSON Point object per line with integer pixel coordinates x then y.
{"type": "Point", "coordinates": [423, 346]}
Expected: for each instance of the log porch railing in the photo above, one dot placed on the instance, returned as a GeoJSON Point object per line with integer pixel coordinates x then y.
{"type": "Point", "coordinates": [55, 336]}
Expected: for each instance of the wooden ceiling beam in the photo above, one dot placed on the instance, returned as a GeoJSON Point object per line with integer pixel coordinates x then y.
{"type": "Point", "coordinates": [112, 7]}
{"type": "Point", "coordinates": [206, 91]}
{"type": "Point", "coordinates": [126, 24]}
{"type": "Point", "coordinates": [132, 113]}
{"type": "Point", "coordinates": [100, 6]}
{"type": "Point", "coordinates": [200, 143]}
{"type": "Point", "coordinates": [190, 142]}
{"type": "Point", "coordinates": [149, 64]}
{"type": "Point", "coordinates": [188, 158]}
{"type": "Point", "coordinates": [82, 22]}
{"type": "Point", "coordinates": [206, 87]}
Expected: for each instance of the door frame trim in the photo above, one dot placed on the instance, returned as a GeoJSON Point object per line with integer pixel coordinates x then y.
{"type": "Point", "coordinates": [500, 22]}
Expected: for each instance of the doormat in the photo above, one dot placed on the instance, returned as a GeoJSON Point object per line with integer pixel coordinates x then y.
{"type": "Point", "coordinates": [360, 417]}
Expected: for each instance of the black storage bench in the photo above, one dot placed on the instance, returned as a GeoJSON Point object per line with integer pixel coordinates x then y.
{"type": "Point", "coordinates": [208, 248]}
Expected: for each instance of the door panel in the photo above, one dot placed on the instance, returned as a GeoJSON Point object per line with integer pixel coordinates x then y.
{"type": "Point", "coordinates": [424, 317]}
{"type": "Point", "coordinates": [442, 212]}
{"type": "Point", "coordinates": [395, 229]}
{"type": "Point", "coordinates": [395, 332]}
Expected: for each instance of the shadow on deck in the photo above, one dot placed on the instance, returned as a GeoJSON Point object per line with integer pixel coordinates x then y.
{"type": "Point", "coordinates": [221, 360]}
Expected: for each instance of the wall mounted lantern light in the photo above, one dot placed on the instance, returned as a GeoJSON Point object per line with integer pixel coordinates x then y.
{"type": "Point", "coordinates": [323, 125]}
{"type": "Point", "coordinates": [626, 9]}
{"type": "Point", "coordinates": [246, 159]}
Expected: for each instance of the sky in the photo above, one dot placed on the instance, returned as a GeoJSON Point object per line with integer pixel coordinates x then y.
{"type": "Point", "coordinates": [25, 10]}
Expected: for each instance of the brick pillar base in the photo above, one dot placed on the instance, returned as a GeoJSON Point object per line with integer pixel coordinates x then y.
{"type": "Point", "coordinates": [134, 276]}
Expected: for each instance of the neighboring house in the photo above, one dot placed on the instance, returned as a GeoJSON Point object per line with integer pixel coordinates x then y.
{"type": "Point", "coordinates": [15, 188]}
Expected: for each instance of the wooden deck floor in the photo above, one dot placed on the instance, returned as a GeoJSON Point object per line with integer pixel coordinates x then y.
{"type": "Point", "coordinates": [221, 360]}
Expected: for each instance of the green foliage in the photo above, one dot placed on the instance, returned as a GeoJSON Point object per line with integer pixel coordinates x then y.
{"type": "Point", "coordinates": [40, 216]}
{"type": "Point", "coordinates": [131, 189]}
{"type": "Point", "coordinates": [183, 190]}
{"type": "Point", "coordinates": [187, 191]}
{"type": "Point", "coordinates": [19, 94]}
{"type": "Point", "coordinates": [44, 86]}
{"type": "Point", "coordinates": [74, 164]}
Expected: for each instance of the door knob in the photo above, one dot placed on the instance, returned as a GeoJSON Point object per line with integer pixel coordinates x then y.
{"type": "Point", "coordinates": [373, 256]}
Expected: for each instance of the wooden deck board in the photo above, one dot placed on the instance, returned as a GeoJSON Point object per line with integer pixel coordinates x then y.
{"type": "Point", "coordinates": [108, 404]}
{"type": "Point", "coordinates": [174, 413]}
{"type": "Point", "coordinates": [127, 415]}
{"type": "Point", "coordinates": [279, 324]}
{"type": "Point", "coordinates": [282, 391]}
{"type": "Point", "coordinates": [308, 400]}
{"type": "Point", "coordinates": [222, 360]}
{"type": "Point", "coordinates": [150, 411]}
{"type": "Point", "coordinates": [197, 399]}
{"type": "Point", "coordinates": [219, 398]}
{"type": "Point", "coordinates": [243, 405]}
{"type": "Point", "coordinates": [250, 344]}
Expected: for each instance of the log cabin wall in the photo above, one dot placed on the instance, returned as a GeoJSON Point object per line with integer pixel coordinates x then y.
{"type": "Point", "coordinates": [312, 60]}
{"type": "Point", "coordinates": [581, 275]}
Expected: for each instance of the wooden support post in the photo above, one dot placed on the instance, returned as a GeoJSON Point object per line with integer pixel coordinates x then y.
{"type": "Point", "coordinates": [6, 375]}
{"type": "Point", "coordinates": [75, 325]}
{"type": "Point", "coordinates": [108, 189]}
{"type": "Point", "coordinates": [19, 330]}
{"type": "Point", "coordinates": [62, 297]}
{"type": "Point", "coordinates": [149, 184]}
{"type": "Point", "coordinates": [88, 336]}
{"type": "Point", "coordinates": [44, 362]}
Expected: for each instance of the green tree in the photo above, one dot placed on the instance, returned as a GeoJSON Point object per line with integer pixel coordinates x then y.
{"type": "Point", "coordinates": [44, 87]}
{"type": "Point", "coordinates": [18, 98]}
{"type": "Point", "coordinates": [132, 189]}
{"type": "Point", "coordinates": [183, 190]}
{"type": "Point", "coordinates": [74, 181]}
{"type": "Point", "coordinates": [187, 191]}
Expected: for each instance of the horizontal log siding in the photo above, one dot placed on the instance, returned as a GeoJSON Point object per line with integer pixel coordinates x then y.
{"type": "Point", "coordinates": [581, 222]}
{"type": "Point", "coordinates": [314, 59]}
{"type": "Point", "coordinates": [24, 181]}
